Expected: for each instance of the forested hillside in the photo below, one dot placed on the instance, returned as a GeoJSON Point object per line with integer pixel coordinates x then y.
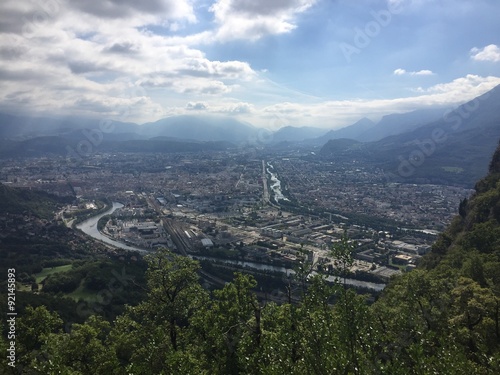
{"type": "Point", "coordinates": [443, 318]}
{"type": "Point", "coordinates": [38, 203]}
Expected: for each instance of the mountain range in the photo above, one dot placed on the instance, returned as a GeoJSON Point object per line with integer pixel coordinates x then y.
{"type": "Point", "coordinates": [365, 130]}
{"type": "Point", "coordinates": [206, 129]}
{"type": "Point", "coordinates": [453, 149]}
{"type": "Point", "coordinates": [423, 146]}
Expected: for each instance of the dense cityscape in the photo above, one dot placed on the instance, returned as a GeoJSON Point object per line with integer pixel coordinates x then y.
{"type": "Point", "coordinates": [268, 208]}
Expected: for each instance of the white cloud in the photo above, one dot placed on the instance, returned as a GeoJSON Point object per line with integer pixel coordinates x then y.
{"type": "Point", "coordinates": [86, 57]}
{"type": "Point", "coordinates": [125, 9]}
{"type": "Point", "coordinates": [253, 19]}
{"type": "Point", "coordinates": [71, 57]}
{"type": "Point", "coordinates": [488, 53]}
{"type": "Point", "coordinates": [424, 72]}
{"type": "Point", "coordinates": [335, 114]}
{"type": "Point", "coordinates": [238, 108]}
{"type": "Point", "coordinates": [202, 67]}
{"type": "Point", "coordinates": [196, 106]}
{"type": "Point", "coordinates": [229, 108]}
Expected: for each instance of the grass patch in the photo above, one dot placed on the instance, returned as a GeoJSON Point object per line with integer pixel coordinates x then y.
{"type": "Point", "coordinates": [49, 271]}
{"type": "Point", "coordinates": [453, 169]}
{"type": "Point", "coordinates": [23, 287]}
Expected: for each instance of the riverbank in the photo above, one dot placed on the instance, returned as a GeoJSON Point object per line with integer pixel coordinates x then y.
{"type": "Point", "coordinates": [90, 228]}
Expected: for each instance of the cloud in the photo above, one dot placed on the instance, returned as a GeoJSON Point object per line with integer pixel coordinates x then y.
{"type": "Point", "coordinates": [253, 19]}
{"type": "Point", "coordinates": [196, 106]}
{"type": "Point", "coordinates": [123, 48]}
{"type": "Point", "coordinates": [424, 72]}
{"type": "Point", "coordinates": [138, 61]}
{"type": "Point", "coordinates": [238, 108]}
{"type": "Point", "coordinates": [67, 55]}
{"type": "Point", "coordinates": [202, 67]}
{"type": "Point", "coordinates": [488, 53]}
{"type": "Point", "coordinates": [112, 9]}
{"type": "Point", "coordinates": [216, 107]}
{"type": "Point", "coordinates": [206, 87]}
{"type": "Point", "coordinates": [401, 72]}
{"type": "Point", "coordinates": [334, 114]}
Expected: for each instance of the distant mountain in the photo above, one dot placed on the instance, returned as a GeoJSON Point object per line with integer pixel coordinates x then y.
{"type": "Point", "coordinates": [337, 147]}
{"type": "Point", "coordinates": [35, 147]}
{"type": "Point", "coordinates": [57, 145]}
{"type": "Point", "coordinates": [354, 131]}
{"type": "Point", "coordinates": [398, 123]}
{"type": "Point", "coordinates": [365, 130]}
{"type": "Point", "coordinates": [19, 127]}
{"type": "Point", "coordinates": [194, 128]}
{"type": "Point", "coordinates": [296, 134]}
{"type": "Point", "coordinates": [166, 146]}
{"type": "Point", "coordinates": [454, 149]}
{"type": "Point", "coordinates": [201, 128]}
{"type": "Point", "coordinates": [35, 136]}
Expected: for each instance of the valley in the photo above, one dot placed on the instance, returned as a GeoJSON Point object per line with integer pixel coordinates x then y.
{"type": "Point", "coordinates": [275, 208]}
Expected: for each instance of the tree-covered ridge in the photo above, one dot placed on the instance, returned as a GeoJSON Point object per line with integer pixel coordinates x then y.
{"type": "Point", "coordinates": [454, 295]}
{"type": "Point", "coordinates": [475, 232]}
{"type": "Point", "coordinates": [425, 324]}
{"type": "Point", "coordinates": [23, 201]}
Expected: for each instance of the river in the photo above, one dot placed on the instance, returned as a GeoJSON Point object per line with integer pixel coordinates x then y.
{"type": "Point", "coordinates": [89, 227]}
{"type": "Point", "coordinates": [267, 267]}
{"type": "Point", "coordinates": [276, 185]}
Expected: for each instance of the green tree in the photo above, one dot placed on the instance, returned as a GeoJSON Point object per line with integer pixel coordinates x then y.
{"type": "Point", "coordinates": [153, 336]}
{"type": "Point", "coordinates": [174, 292]}
{"type": "Point", "coordinates": [474, 318]}
{"type": "Point", "coordinates": [342, 254]}
{"type": "Point", "coordinates": [83, 351]}
{"type": "Point", "coordinates": [410, 316]}
{"type": "Point", "coordinates": [230, 327]}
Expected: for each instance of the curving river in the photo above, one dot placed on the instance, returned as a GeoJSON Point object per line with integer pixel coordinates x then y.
{"type": "Point", "coordinates": [89, 227]}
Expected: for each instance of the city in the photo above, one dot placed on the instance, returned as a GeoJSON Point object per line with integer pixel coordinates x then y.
{"type": "Point", "coordinates": [273, 208]}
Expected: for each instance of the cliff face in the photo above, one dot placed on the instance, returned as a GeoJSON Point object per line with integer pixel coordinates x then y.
{"type": "Point", "coordinates": [495, 162]}
{"type": "Point", "coordinates": [477, 228]}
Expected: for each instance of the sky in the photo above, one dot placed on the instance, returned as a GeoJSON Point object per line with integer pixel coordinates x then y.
{"type": "Point", "coordinates": [271, 63]}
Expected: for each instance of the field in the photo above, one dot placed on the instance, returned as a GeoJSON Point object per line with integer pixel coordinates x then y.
{"type": "Point", "coordinates": [49, 271]}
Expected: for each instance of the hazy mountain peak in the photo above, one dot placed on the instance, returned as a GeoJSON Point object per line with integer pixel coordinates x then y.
{"type": "Point", "coordinates": [397, 123]}
{"type": "Point", "coordinates": [200, 128]}
{"type": "Point", "coordinates": [296, 134]}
